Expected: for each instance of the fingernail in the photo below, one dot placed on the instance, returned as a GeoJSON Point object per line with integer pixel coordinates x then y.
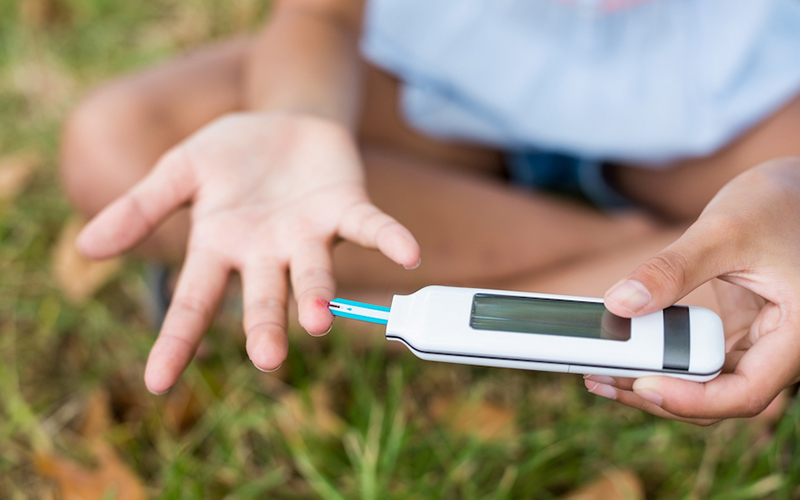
{"type": "Point", "coordinates": [605, 391]}
{"type": "Point", "coordinates": [630, 295]}
{"type": "Point", "coordinates": [601, 379]}
{"type": "Point", "coordinates": [269, 371]}
{"type": "Point", "coordinates": [154, 393]}
{"type": "Point", "coordinates": [415, 265]}
{"type": "Point", "coordinates": [650, 396]}
{"type": "Point", "coordinates": [321, 334]}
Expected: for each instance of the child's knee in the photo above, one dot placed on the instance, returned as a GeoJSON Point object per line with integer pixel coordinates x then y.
{"type": "Point", "coordinates": [97, 137]}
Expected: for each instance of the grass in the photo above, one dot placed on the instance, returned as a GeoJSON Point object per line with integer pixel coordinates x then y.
{"type": "Point", "coordinates": [343, 418]}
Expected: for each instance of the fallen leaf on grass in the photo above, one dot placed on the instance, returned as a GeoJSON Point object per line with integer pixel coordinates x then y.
{"type": "Point", "coordinates": [612, 485]}
{"type": "Point", "coordinates": [43, 13]}
{"type": "Point", "coordinates": [296, 414]}
{"type": "Point", "coordinates": [15, 174]}
{"type": "Point", "coordinates": [186, 24]}
{"type": "Point", "coordinates": [244, 13]}
{"type": "Point", "coordinates": [76, 276]}
{"type": "Point", "coordinates": [42, 82]}
{"type": "Point", "coordinates": [182, 408]}
{"type": "Point", "coordinates": [96, 416]}
{"type": "Point", "coordinates": [76, 482]}
{"type": "Point", "coordinates": [130, 401]}
{"type": "Point", "coordinates": [112, 478]}
{"type": "Point", "coordinates": [482, 419]}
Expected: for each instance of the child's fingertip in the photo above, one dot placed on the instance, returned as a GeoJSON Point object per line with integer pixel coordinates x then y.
{"type": "Point", "coordinates": [320, 334]}
{"type": "Point", "coordinates": [268, 370]}
{"type": "Point", "coordinates": [316, 324]}
{"type": "Point", "coordinates": [321, 303]}
{"type": "Point", "coordinates": [156, 392]}
{"type": "Point", "coordinates": [82, 243]}
{"type": "Point", "coordinates": [419, 261]}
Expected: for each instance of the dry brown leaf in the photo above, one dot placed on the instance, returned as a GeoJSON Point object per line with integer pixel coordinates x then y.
{"type": "Point", "coordinates": [612, 485]}
{"type": "Point", "coordinates": [43, 83]}
{"type": "Point", "coordinates": [187, 25]}
{"type": "Point", "coordinates": [245, 13]}
{"type": "Point", "coordinates": [76, 276]}
{"type": "Point", "coordinates": [43, 13]}
{"type": "Point", "coordinates": [96, 416]}
{"type": "Point", "coordinates": [182, 408]}
{"type": "Point", "coordinates": [15, 174]}
{"type": "Point", "coordinates": [129, 398]}
{"type": "Point", "coordinates": [483, 419]}
{"type": "Point", "coordinates": [296, 414]}
{"type": "Point", "coordinates": [78, 482]}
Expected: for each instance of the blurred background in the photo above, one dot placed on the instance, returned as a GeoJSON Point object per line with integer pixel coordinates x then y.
{"type": "Point", "coordinates": [345, 417]}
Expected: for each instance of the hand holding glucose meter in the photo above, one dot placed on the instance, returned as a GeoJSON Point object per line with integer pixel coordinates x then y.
{"type": "Point", "coordinates": [555, 333]}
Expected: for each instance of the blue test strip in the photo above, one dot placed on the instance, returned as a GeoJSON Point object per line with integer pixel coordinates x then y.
{"type": "Point", "coordinates": [360, 311]}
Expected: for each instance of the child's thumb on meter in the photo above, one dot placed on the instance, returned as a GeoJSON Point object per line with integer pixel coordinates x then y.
{"type": "Point", "coordinates": [667, 277]}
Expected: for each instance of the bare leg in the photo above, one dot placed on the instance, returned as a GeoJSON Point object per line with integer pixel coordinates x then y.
{"type": "Point", "coordinates": [592, 277]}
{"type": "Point", "coordinates": [683, 190]}
{"type": "Point", "coordinates": [589, 276]}
{"type": "Point", "coordinates": [473, 229]}
{"type": "Point", "coordinates": [118, 133]}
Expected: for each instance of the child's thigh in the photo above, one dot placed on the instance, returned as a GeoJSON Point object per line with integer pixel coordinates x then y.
{"type": "Point", "coordinates": [118, 132]}
{"type": "Point", "coordinates": [474, 229]}
{"type": "Point", "coordinates": [114, 137]}
{"type": "Point", "coordinates": [683, 190]}
{"type": "Point", "coordinates": [382, 125]}
{"type": "Point", "coordinates": [593, 276]}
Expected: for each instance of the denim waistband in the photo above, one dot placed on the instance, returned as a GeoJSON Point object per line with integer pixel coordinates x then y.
{"type": "Point", "coordinates": [565, 174]}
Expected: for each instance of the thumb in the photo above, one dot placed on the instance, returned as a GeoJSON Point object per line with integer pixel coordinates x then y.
{"type": "Point", "coordinates": [667, 277]}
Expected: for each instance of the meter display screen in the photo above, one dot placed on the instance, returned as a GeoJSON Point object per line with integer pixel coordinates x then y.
{"type": "Point", "coordinates": [565, 318]}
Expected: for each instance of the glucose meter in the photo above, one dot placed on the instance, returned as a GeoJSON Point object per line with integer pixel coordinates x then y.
{"type": "Point", "coordinates": [556, 333]}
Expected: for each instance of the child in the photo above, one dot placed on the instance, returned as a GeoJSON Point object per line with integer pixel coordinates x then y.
{"type": "Point", "coordinates": [258, 155]}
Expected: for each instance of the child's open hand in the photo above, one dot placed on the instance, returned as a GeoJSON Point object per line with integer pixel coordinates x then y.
{"type": "Point", "coordinates": [269, 194]}
{"type": "Point", "coordinates": [749, 237]}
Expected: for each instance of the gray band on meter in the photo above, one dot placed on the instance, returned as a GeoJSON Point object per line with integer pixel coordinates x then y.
{"type": "Point", "coordinates": [676, 338]}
